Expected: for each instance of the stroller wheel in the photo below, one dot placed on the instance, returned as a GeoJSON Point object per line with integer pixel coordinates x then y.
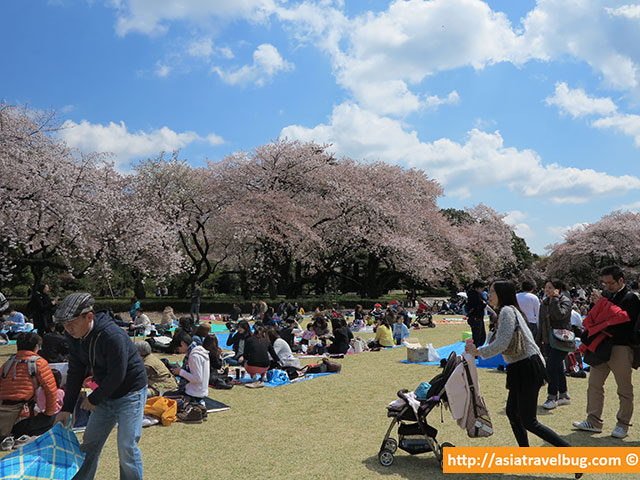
{"type": "Point", "coordinates": [441, 453]}
{"type": "Point", "coordinates": [391, 444]}
{"type": "Point", "coordinates": [386, 457]}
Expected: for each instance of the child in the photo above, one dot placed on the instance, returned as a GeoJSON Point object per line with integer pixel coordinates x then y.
{"type": "Point", "coordinates": [308, 334]}
{"type": "Point", "coordinates": [40, 398]}
{"type": "Point", "coordinates": [400, 330]}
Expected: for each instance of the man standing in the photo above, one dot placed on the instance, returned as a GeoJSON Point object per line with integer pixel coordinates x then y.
{"type": "Point", "coordinates": [475, 312]}
{"type": "Point", "coordinates": [614, 350]}
{"type": "Point", "coordinates": [100, 348]}
{"type": "Point", "coordinates": [195, 303]}
{"type": "Point", "coordinates": [530, 305]}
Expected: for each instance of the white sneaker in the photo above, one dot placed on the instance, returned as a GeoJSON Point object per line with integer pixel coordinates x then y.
{"type": "Point", "coordinates": [587, 427]}
{"type": "Point", "coordinates": [619, 432]}
{"type": "Point", "coordinates": [564, 401]}
{"type": "Point", "coordinates": [550, 404]}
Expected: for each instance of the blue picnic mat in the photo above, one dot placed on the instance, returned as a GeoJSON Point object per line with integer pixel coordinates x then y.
{"type": "Point", "coordinates": [308, 376]}
{"type": "Point", "coordinates": [55, 455]}
{"type": "Point", "coordinates": [458, 348]}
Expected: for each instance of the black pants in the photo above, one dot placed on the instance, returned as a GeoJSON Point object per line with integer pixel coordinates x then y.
{"type": "Point", "coordinates": [555, 371]}
{"type": "Point", "coordinates": [35, 425]}
{"type": "Point", "coordinates": [477, 330]}
{"type": "Point", "coordinates": [521, 411]}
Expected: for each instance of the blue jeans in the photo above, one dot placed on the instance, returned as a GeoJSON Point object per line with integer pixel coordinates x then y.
{"type": "Point", "coordinates": [195, 312]}
{"type": "Point", "coordinates": [127, 412]}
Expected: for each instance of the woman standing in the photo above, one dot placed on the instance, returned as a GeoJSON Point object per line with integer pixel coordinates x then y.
{"type": "Point", "coordinates": [555, 313]}
{"type": "Point", "coordinates": [525, 372]}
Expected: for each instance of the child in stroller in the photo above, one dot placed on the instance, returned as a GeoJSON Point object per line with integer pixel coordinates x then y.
{"type": "Point", "coordinates": [415, 435]}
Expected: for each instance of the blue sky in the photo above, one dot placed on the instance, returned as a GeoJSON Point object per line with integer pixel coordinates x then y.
{"type": "Point", "coordinates": [529, 107]}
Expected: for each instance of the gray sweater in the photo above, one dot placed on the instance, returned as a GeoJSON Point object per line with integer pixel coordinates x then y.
{"type": "Point", "coordinates": [503, 334]}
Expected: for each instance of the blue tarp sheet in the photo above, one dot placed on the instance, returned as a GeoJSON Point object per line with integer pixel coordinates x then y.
{"type": "Point", "coordinates": [458, 347]}
{"type": "Point", "coordinates": [54, 455]}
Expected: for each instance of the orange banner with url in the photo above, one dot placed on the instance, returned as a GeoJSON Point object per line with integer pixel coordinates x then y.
{"type": "Point", "coordinates": [541, 460]}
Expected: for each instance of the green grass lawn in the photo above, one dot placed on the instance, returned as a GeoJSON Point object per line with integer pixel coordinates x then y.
{"type": "Point", "coordinates": [332, 427]}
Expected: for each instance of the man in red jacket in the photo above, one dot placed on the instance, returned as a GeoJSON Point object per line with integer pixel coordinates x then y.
{"type": "Point", "coordinates": [618, 339]}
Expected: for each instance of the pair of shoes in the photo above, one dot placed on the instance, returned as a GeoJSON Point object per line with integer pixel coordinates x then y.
{"type": "Point", "coordinates": [564, 399]}
{"type": "Point", "coordinates": [7, 444]}
{"type": "Point", "coordinates": [550, 404]}
{"type": "Point", "coordinates": [192, 414]}
{"type": "Point", "coordinates": [22, 440]}
{"type": "Point", "coordinates": [587, 427]}
{"type": "Point", "coordinates": [619, 432]}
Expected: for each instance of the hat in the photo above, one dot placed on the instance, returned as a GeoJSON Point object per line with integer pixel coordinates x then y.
{"type": "Point", "coordinates": [73, 306]}
{"type": "Point", "coordinates": [377, 305]}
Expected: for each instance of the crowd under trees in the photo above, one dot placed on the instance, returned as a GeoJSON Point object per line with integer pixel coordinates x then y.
{"type": "Point", "coordinates": [287, 218]}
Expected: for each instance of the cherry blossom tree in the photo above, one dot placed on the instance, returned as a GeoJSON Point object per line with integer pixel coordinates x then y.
{"type": "Point", "coordinates": [614, 239]}
{"type": "Point", "coordinates": [66, 210]}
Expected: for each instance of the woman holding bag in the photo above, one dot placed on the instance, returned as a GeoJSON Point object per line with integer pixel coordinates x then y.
{"type": "Point", "coordinates": [525, 366]}
{"type": "Point", "coordinates": [555, 315]}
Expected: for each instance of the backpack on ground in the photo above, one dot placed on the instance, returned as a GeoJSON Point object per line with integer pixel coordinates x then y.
{"type": "Point", "coordinates": [573, 365]}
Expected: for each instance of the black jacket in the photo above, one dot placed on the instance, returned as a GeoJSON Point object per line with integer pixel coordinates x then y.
{"type": "Point", "coordinates": [475, 304]}
{"type": "Point", "coordinates": [624, 333]}
{"type": "Point", "coordinates": [341, 338]}
{"type": "Point", "coordinates": [55, 348]}
{"type": "Point", "coordinates": [234, 341]}
{"type": "Point", "coordinates": [117, 367]}
{"type": "Point", "coordinates": [257, 350]}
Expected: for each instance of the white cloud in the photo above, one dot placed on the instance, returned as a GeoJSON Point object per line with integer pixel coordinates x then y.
{"type": "Point", "coordinates": [201, 48]}
{"type": "Point", "coordinates": [558, 233]}
{"type": "Point", "coordinates": [633, 207]}
{"type": "Point", "coordinates": [162, 70]}
{"type": "Point", "coordinates": [514, 218]}
{"type": "Point", "coordinates": [578, 104]}
{"type": "Point", "coordinates": [204, 48]}
{"type": "Point", "coordinates": [151, 17]}
{"type": "Point", "coordinates": [481, 160]}
{"type": "Point", "coordinates": [115, 138]}
{"type": "Point", "coordinates": [267, 62]}
{"type": "Point", "coordinates": [628, 11]}
{"type": "Point", "coordinates": [628, 124]}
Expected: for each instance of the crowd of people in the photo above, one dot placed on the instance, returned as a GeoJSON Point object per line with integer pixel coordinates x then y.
{"type": "Point", "coordinates": [546, 323]}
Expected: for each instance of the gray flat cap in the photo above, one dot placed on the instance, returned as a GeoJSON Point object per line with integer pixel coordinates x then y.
{"type": "Point", "coordinates": [73, 306]}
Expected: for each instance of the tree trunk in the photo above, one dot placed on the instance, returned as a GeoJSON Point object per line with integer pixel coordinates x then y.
{"type": "Point", "coordinates": [371, 279]}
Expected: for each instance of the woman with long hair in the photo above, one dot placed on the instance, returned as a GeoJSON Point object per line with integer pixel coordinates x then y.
{"type": "Point", "coordinates": [237, 342]}
{"type": "Point", "coordinates": [526, 372]}
{"type": "Point", "coordinates": [555, 313]}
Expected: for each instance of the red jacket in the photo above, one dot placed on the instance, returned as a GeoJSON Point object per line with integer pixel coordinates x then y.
{"type": "Point", "coordinates": [604, 314]}
{"type": "Point", "coordinates": [21, 389]}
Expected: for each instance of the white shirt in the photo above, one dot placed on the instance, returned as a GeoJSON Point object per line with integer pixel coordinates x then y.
{"type": "Point", "coordinates": [530, 306]}
{"type": "Point", "coordinates": [576, 319]}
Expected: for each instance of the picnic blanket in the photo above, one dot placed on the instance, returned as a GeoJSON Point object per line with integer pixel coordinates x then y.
{"type": "Point", "coordinates": [309, 376]}
{"type": "Point", "coordinates": [458, 348]}
{"type": "Point", "coordinates": [340, 355]}
{"type": "Point", "coordinates": [55, 455]}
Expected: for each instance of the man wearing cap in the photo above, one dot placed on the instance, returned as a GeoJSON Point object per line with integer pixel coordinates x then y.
{"type": "Point", "coordinates": [101, 349]}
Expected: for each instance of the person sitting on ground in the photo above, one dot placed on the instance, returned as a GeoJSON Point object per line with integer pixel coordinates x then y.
{"type": "Point", "coordinates": [142, 321]}
{"type": "Point", "coordinates": [321, 327]}
{"type": "Point", "coordinates": [286, 332]}
{"type": "Point", "coordinates": [377, 312]}
{"type": "Point", "coordinates": [184, 328]}
{"type": "Point", "coordinates": [194, 373]}
{"type": "Point", "coordinates": [308, 334]}
{"type": "Point", "coordinates": [18, 388]}
{"type": "Point", "coordinates": [235, 313]}
{"type": "Point", "coordinates": [400, 330]}
{"type": "Point", "coordinates": [267, 318]}
{"type": "Point", "coordinates": [159, 378]}
{"type": "Point", "coordinates": [257, 349]}
{"type": "Point", "coordinates": [341, 337]}
{"type": "Point", "coordinates": [168, 317]}
{"type": "Point", "coordinates": [282, 349]}
{"type": "Point", "coordinates": [401, 312]}
{"type": "Point", "coordinates": [237, 341]}
{"type": "Point", "coordinates": [55, 345]}
{"type": "Point", "coordinates": [358, 319]}
{"type": "Point", "coordinates": [384, 335]}
{"type": "Point", "coordinates": [201, 332]}
{"type": "Point", "coordinates": [16, 323]}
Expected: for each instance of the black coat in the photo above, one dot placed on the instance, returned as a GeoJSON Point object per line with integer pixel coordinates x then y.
{"type": "Point", "coordinates": [625, 333]}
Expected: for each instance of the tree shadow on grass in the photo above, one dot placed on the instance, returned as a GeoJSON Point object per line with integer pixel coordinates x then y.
{"type": "Point", "coordinates": [426, 466]}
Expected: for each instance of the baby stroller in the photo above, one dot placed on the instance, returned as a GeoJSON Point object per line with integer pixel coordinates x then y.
{"type": "Point", "coordinates": [423, 316]}
{"type": "Point", "coordinates": [415, 435]}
